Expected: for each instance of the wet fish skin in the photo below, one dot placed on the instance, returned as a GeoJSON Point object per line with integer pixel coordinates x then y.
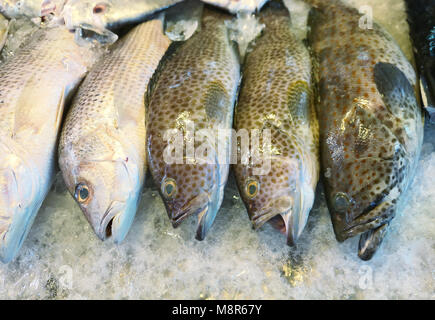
{"type": "Point", "coordinates": [98, 15]}
{"type": "Point", "coordinates": [102, 146]}
{"type": "Point", "coordinates": [276, 94]}
{"type": "Point", "coordinates": [371, 127]}
{"type": "Point", "coordinates": [238, 5]}
{"type": "Point", "coordinates": [30, 8]}
{"type": "Point", "coordinates": [34, 85]}
{"type": "Point", "coordinates": [4, 27]}
{"type": "Point", "coordinates": [421, 18]}
{"type": "Point", "coordinates": [197, 82]}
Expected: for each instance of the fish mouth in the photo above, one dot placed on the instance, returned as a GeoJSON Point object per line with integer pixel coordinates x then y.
{"type": "Point", "coordinates": [282, 219]}
{"type": "Point", "coordinates": [112, 223]}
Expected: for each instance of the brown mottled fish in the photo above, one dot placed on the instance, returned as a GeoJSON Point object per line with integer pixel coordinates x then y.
{"type": "Point", "coordinates": [196, 85]}
{"type": "Point", "coordinates": [102, 146]}
{"type": "Point", "coordinates": [371, 126]}
{"type": "Point", "coordinates": [276, 95]}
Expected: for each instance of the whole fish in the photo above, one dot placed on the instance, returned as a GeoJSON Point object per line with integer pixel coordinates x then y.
{"type": "Point", "coordinates": [34, 85]}
{"type": "Point", "coordinates": [238, 5]}
{"type": "Point", "coordinates": [98, 15]}
{"type": "Point", "coordinates": [276, 95]}
{"type": "Point", "coordinates": [30, 8]}
{"type": "Point", "coordinates": [4, 27]}
{"type": "Point", "coordinates": [371, 127]}
{"type": "Point", "coordinates": [421, 18]}
{"type": "Point", "coordinates": [194, 93]}
{"type": "Point", "coordinates": [102, 146]}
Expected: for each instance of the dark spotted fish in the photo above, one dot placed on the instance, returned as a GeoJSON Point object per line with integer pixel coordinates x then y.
{"type": "Point", "coordinates": [102, 148]}
{"type": "Point", "coordinates": [371, 126]}
{"type": "Point", "coordinates": [421, 18]}
{"type": "Point", "coordinates": [276, 95]}
{"type": "Point", "coordinates": [196, 84]}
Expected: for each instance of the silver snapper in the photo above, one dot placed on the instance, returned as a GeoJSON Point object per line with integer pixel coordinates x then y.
{"type": "Point", "coordinates": [30, 8]}
{"type": "Point", "coordinates": [34, 85]}
{"type": "Point", "coordinates": [102, 146]}
{"type": "Point", "coordinates": [100, 15]}
{"type": "Point", "coordinates": [238, 5]}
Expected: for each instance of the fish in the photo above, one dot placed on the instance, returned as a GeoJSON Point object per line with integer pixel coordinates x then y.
{"type": "Point", "coordinates": [4, 28]}
{"type": "Point", "coordinates": [107, 15]}
{"type": "Point", "coordinates": [235, 6]}
{"type": "Point", "coordinates": [30, 8]}
{"type": "Point", "coordinates": [371, 125]}
{"type": "Point", "coordinates": [102, 146]}
{"type": "Point", "coordinates": [421, 19]}
{"type": "Point", "coordinates": [35, 85]}
{"type": "Point", "coordinates": [192, 97]}
{"type": "Point", "coordinates": [277, 95]}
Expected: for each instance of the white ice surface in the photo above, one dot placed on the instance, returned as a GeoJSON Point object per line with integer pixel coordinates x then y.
{"type": "Point", "coordinates": [63, 259]}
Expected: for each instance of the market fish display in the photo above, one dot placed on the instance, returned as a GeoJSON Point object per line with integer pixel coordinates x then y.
{"type": "Point", "coordinates": [194, 91]}
{"type": "Point", "coordinates": [34, 85]}
{"type": "Point", "coordinates": [421, 18]}
{"type": "Point", "coordinates": [371, 127]}
{"type": "Point", "coordinates": [102, 146]}
{"type": "Point", "coordinates": [276, 95]}
{"type": "Point", "coordinates": [100, 16]}
{"type": "Point", "coordinates": [30, 8]}
{"type": "Point", "coordinates": [238, 5]}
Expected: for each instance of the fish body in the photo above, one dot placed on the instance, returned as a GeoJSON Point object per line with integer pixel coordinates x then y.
{"type": "Point", "coordinates": [238, 5]}
{"type": "Point", "coordinates": [97, 15]}
{"type": "Point", "coordinates": [30, 8]}
{"type": "Point", "coordinates": [4, 27]}
{"type": "Point", "coordinates": [371, 127]}
{"type": "Point", "coordinates": [34, 85]}
{"type": "Point", "coordinates": [276, 95]}
{"type": "Point", "coordinates": [196, 86]}
{"type": "Point", "coordinates": [421, 18]}
{"type": "Point", "coordinates": [102, 146]}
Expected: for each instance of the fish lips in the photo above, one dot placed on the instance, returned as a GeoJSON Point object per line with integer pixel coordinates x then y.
{"type": "Point", "coordinates": [281, 217]}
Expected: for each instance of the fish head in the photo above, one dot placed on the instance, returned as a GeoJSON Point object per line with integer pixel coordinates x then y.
{"type": "Point", "coordinates": [281, 195]}
{"type": "Point", "coordinates": [18, 202]}
{"type": "Point", "coordinates": [105, 181]}
{"type": "Point", "coordinates": [187, 187]}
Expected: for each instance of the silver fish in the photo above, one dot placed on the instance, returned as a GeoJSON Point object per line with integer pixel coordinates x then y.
{"type": "Point", "coordinates": [30, 8]}
{"type": "Point", "coordinates": [102, 146]}
{"type": "Point", "coordinates": [34, 85]}
{"type": "Point", "coordinates": [100, 15]}
{"type": "Point", "coordinates": [4, 27]}
{"type": "Point", "coordinates": [238, 5]}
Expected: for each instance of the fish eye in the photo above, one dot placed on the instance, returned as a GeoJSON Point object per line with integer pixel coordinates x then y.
{"type": "Point", "coordinates": [99, 8]}
{"type": "Point", "coordinates": [251, 188]}
{"type": "Point", "coordinates": [82, 193]}
{"type": "Point", "coordinates": [169, 188]}
{"type": "Point", "coordinates": [341, 202]}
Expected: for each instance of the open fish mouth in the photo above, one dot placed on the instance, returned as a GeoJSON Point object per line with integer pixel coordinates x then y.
{"type": "Point", "coordinates": [184, 214]}
{"type": "Point", "coordinates": [109, 226]}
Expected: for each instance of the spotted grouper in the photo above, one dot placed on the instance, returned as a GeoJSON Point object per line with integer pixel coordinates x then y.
{"type": "Point", "coordinates": [192, 96]}
{"type": "Point", "coordinates": [371, 126]}
{"type": "Point", "coordinates": [276, 95]}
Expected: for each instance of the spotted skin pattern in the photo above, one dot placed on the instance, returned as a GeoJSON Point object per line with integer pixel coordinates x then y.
{"type": "Point", "coordinates": [276, 94]}
{"type": "Point", "coordinates": [198, 83]}
{"type": "Point", "coordinates": [371, 127]}
{"type": "Point", "coordinates": [102, 146]}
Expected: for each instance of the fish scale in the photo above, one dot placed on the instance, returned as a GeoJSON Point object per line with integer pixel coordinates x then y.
{"type": "Point", "coordinates": [276, 94]}
{"type": "Point", "coordinates": [197, 82]}
{"type": "Point", "coordinates": [102, 147]}
{"type": "Point", "coordinates": [371, 127]}
{"type": "Point", "coordinates": [34, 85]}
